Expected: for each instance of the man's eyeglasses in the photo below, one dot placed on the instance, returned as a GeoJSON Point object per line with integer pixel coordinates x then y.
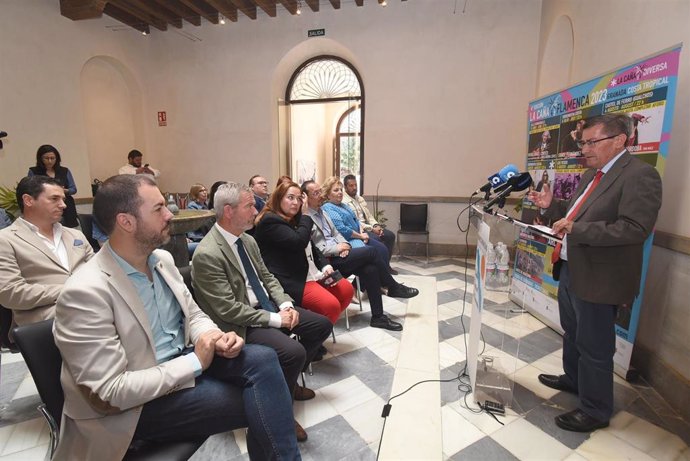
{"type": "Point", "coordinates": [592, 142]}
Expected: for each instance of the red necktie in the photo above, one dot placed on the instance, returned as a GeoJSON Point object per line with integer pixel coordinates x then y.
{"type": "Point", "coordinates": [556, 255]}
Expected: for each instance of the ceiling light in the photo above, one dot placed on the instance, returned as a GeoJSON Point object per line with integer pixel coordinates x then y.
{"type": "Point", "coordinates": [144, 33]}
{"type": "Point", "coordinates": [222, 20]}
{"type": "Point", "coordinates": [299, 7]}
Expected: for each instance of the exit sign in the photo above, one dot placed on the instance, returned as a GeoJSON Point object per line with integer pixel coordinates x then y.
{"type": "Point", "coordinates": [316, 33]}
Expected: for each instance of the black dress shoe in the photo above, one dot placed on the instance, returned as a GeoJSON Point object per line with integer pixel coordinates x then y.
{"type": "Point", "coordinates": [392, 271]}
{"type": "Point", "coordinates": [556, 382]}
{"type": "Point", "coordinates": [8, 346]}
{"type": "Point", "coordinates": [385, 323]}
{"type": "Point", "coordinates": [402, 291]}
{"type": "Point", "coordinates": [579, 421]}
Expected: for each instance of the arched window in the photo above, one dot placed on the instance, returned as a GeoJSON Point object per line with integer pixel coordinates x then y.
{"type": "Point", "coordinates": [348, 143]}
{"type": "Point", "coordinates": [327, 118]}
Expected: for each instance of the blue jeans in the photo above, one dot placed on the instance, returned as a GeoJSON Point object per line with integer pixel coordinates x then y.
{"type": "Point", "coordinates": [248, 390]}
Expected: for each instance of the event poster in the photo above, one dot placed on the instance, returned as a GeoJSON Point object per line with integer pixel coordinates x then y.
{"type": "Point", "coordinates": [646, 91]}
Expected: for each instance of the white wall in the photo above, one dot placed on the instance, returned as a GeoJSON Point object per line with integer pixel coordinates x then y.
{"type": "Point", "coordinates": [611, 33]}
{"type": "Point", "coordinates": [42, 55]}
{"type": "Point", "coordinates": [441, 89]}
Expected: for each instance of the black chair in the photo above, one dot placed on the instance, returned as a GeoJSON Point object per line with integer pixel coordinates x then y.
{"type": "Point", "coordinates": [186, 272]}
{"type": "Point", "coordinates": [44, 361]}
{"type": "Point", "coordinates": [86, 222]}
{"type": "Point", "coordinates": [414, 218]}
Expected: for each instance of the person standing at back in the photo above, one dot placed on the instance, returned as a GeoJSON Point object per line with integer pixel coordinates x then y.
{"type": "Point", "coordinates": [48, 164]}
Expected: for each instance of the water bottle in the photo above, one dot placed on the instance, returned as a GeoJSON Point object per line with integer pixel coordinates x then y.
{"type": "Point", "coordinates": [502, 267]}
{"type": "Point", "coordinates": [171, 205]}
{"type": "Point", "coordinates": [490, 280]}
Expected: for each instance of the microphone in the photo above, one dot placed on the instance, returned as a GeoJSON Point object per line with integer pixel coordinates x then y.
{"type": "Point", "coordinates": [2, 135]}
{"type": "Point", "coordinates": [516, 183]}
{"type": "Point", "coordinates": [499, 178]}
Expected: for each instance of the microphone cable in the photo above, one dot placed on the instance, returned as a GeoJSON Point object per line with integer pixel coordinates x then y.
{"type": "Point", "coordinates": [464, 386]}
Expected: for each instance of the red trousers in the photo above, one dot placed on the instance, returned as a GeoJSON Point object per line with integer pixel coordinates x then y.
{"type": "Point", "coordinates": [329, 301]}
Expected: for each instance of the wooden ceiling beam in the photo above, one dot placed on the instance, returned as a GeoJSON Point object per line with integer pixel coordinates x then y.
{"type": "Point", "coordinates": [125, 18]}
{"type": "Point", "coordinates": [359, 2]}
{"type": "Point", "coordinates": [269, 6]}
{"type": "Point", "coordinates": [158, 12]}
{"type": "Point", "coordinates": [224, 7]}
{"type": "Point", "coordinates": [144, 17]}
{"type": "Point", "coordinates": [290, 5]}
{"type": "Point", "coordinates": [181, 10]}
{"type": "Point", "coordinates": [313, 4]}
{"type": "Point", "coordinates": [202, 8]}
{"type": "Point", "coordinates": [245, 6]}
{"type": "Point", "coordinates": [335, 4]}
{"type": "Point", "coordinates": [82, 9]}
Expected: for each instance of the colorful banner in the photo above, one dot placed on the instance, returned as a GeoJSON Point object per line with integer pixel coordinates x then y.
{"type": "Point", "coordinates": [646, 91]}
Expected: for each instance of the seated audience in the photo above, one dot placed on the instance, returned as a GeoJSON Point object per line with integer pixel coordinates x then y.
{"type": "Point", "coordinates": [5, 314]}
{"type": "Point", "coordinates": [234, 287]}
{"type": "Point", "coordinates": [363, 262]}
{"type": "Point", "coordinates": [134, 166]}
{"type": "Point", "coordinates": [283, 233]}
{"type": "Point", "coordinates": [198, 196]}
{"type": "Point", "coordinates": [214, 189]}
{"type": "Point", "coordinates": [151, 365]}
{"type": "Point", "coordinates": [282, 179]}
{"type": "Point", "coordinates": [366, 218]}
{"type": "Point", "coordinates": [37, 254]}
{"type": "Point", "coordinates": [259, 187]}
{"type": "Point", "coordinates": [346, 221]}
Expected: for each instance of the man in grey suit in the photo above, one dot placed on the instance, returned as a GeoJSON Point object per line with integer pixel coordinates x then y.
{"type": "Point", "coordinates": [141, 361]}
{"type": "Point", "coordinates": [37, 253]}
{"type": "Point", "coordinates": [234, 287]}
{"type": "Point", "coordinates": [599, 265]}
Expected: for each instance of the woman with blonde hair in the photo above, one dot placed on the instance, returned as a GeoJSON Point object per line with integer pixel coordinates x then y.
{"type": "Point", "coordinates": [346, 221]}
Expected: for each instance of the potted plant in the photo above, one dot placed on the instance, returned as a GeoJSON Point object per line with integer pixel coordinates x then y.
{"type": "Point", "coordinates": [378, 213]}
{"type": "Point", "coordinates": [8, 201]}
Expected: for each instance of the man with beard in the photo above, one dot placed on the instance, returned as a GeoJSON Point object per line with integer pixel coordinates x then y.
{"type": "Point", "coordinates": [38, 254]}
{"type": "Point", "coordinates": [142, 361]}
{"type": "Point", "coordinates": [134, 166]}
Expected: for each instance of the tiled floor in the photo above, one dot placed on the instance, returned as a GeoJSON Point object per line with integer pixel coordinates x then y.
{"type": "Point", "coordinates": [432, 421]}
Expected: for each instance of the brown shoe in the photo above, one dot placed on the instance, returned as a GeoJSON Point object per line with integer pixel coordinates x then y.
{"type": "Point", "coordinates": [303, 393]}
{"type": "Point", "coordinates": [300, 433]}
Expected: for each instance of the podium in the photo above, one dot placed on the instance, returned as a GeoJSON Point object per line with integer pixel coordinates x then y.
{"type": "Point", "coordinates": [491, 369]}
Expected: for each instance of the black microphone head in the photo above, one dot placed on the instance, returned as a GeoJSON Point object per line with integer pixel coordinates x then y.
{"type": "Point", "coordinates": [520, 181]}
{"type": "Point", "coordinates": [3, 134]}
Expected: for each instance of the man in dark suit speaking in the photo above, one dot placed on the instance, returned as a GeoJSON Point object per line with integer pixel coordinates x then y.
{"type": "Point", "coordinates": [603, 226]}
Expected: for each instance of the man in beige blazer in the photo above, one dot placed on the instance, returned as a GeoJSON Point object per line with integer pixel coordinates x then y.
{"type": "Point", "coordinates": [141, 361]}
{"type": "Point", "coordinates": [37, 253]}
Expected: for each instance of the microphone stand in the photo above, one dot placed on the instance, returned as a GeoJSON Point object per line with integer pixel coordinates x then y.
{"type": "Point", "coordinates": [500, 199]}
